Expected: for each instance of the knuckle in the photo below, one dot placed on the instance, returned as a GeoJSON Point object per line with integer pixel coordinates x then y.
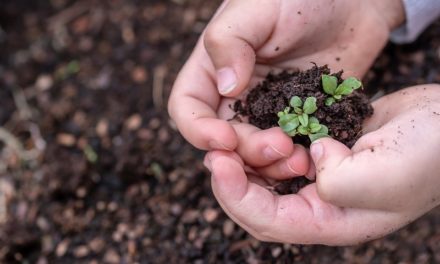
{"type": "Point", "coordinates": [214, 37]}
{"type": "Point", "coordinates": [325, 187]}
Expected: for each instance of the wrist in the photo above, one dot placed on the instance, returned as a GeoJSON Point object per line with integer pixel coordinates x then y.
{"type": "Point", "coordinates": [392, 11]}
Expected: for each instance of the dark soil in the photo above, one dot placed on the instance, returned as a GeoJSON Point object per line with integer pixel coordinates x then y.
{"type": "Point", "coordinates": [343, 118]}
{"type": "Point", "coordinates": [146, 198]}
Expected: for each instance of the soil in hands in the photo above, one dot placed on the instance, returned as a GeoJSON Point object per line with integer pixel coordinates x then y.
{"type": "Point", "coordinates": [343, 118]}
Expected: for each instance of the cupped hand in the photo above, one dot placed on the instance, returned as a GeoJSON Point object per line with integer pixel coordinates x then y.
{"type": "Point", "coordinates": [244, 42]}
{"type": "Point", "coordinates": [389, 178]}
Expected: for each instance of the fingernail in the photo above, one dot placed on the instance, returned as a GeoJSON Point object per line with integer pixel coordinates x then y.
{"type": "Point", "coordinates": [217, 145]}
{"type": "Point", "coordinates": [316, 151]}
{"type": "Point", "coordinates": [272, 153]}
{"type": "Point", "coordinates": [226, 80]}
{"type": "Point", "coordinates": [287, 170]}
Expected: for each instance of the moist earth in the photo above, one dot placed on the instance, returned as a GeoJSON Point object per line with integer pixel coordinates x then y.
{"type": "Point", "coordinates": [343, 118]}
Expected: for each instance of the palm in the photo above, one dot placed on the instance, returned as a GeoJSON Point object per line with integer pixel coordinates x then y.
{"type": "Point", "coordinates": [297, 218]}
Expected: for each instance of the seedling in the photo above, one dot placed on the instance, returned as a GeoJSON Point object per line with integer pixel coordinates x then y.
{"type": "Point", "coordinates": [298, 121]}
{"type": "Point", "coordinates": [331, 87]}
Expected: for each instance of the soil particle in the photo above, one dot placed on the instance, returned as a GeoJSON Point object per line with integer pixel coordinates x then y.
{"type": "Point", "coordinates": [292, 185]}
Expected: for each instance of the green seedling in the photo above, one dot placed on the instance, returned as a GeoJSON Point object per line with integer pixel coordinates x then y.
{"type": "Point", "coordinates": [331, 87]}
{"type": "Point", "coordinates": [299, 120]}
{"type": "Point", "coordinates": [313, 129]}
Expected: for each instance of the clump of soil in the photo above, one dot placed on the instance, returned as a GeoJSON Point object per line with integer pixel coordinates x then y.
{"type": "Point", "coordinates": [343, 118]}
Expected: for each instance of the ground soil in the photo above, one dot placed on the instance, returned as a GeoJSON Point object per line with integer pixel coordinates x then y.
{"type": "Point", "coordinates": [79, 78]}
{"type": "Point", "coordinates": [343, 118]}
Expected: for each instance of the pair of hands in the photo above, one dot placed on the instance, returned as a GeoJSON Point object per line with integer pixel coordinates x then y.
{"type": "Point", "coordinates": [385, 181]}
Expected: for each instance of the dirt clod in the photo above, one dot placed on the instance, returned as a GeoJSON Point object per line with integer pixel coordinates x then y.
{"type": "Point", "coordinates": [343, 118]}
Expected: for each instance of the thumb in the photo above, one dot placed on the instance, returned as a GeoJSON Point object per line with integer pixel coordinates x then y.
{"type": "Point", "coordinates": [231, 40]}
{"type": "Point", "coordinates": [328, 155]}
{"type": "Point", "coordinates": [351, 179]}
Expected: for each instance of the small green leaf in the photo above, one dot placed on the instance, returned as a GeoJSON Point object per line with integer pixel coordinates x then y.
{"type": "Point", "coordinates": [337, 97]}
{"type": "Point", "coordinates": [292, 125]}
{"type": "Point", "coordinates": [292, 133]}
{"type": "Point", "coordinates": [72, 68]}
{"type": "Point", "coordinates": [296, 101]}
{"type": "Point", "coordinates": [317, 136]}
{"type": "Point", "coordinates": [343, 90]}
{"type": "Point", "coordinates": [298, 110]}
{"type": "Point", "coordinates": [303, 130]}
{"type": "Point", "coordinates": [323, 130]}
{"type": "Point", "coordinates": [310, 105]}
{"type": "Point", "coordinates": [314, 128]}
{"type": "Point", "coordinates": [329, 83]}
{"type": "Point", "coordinates": [284, 119]}
{"type": "Point", "coordinates": [288, 122]}
{"type": "Point", "coordinates": [353, 83]}
{"type": "Point", "coordinates": [286, 110]}
{"type": "Point", "coordinates": [90, 154]}
{"type": "Point", "coordinates": [348, 86]}
{"type": "Point", "coordinates": [329, 101]}
{"type": "Point", "coordinates": [313, 120]}
{"type": "Point", "coordinates": [280, 114]}
{"type": "Point", "coordinates": [304, 119]}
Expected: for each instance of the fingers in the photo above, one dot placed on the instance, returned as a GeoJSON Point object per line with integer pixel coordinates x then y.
{"type": "Point", "coordinates": [193, 104]}
{"type": "Point", "coordinates": [297, 164]}
{"type": "Point", "coordinates": [232, 38]}
{"type": "Point", "coordinates": [271, 152]}
{"type": "Point", "coordinates": [261, 147]}
{"type": "Point", "coordinates": [302, 218]}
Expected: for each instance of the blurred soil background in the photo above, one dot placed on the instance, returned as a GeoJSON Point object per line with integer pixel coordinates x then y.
{"type": "Point", "coordinates": [93, 171]}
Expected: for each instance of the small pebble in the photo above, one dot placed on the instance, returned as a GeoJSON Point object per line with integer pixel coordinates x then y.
{"type": "Point", "coordinates": [81, 251]}
{"type": "Point", "coordinates": [44, 82]}
{"type": "Point", "coordinates": [190, 216]}
{"type": "Point", "coordinates": [102, 128]}
{"type": "Point", "coordinates": [112, 257]}
{"type": "Point", "coordinates": [210, 215]}
{"type": "Point", "coordinates": [154, 123]}
{"type": "Point", "coordinates": [66, 140]}
{"type": "Point", "coordinates": [97, 244]}
{"type": "Point", "coordinates": [228, 228]}
{"type": "Point", "coordinates": [276, 252]}
{"type": "Point", "coordinates": [62, 248]}
{"type": "Point", "coordinates": [134, 122]}
{"type": "Point", "coordinates": [139, 75]}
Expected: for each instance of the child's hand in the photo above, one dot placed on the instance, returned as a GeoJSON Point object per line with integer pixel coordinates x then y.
{"type": "Point", "coordinates": [389, 178]}
{"type": "Point", "coordinates": [395, 166]}
{"type": "Point", "coordinates": [246, 40]}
